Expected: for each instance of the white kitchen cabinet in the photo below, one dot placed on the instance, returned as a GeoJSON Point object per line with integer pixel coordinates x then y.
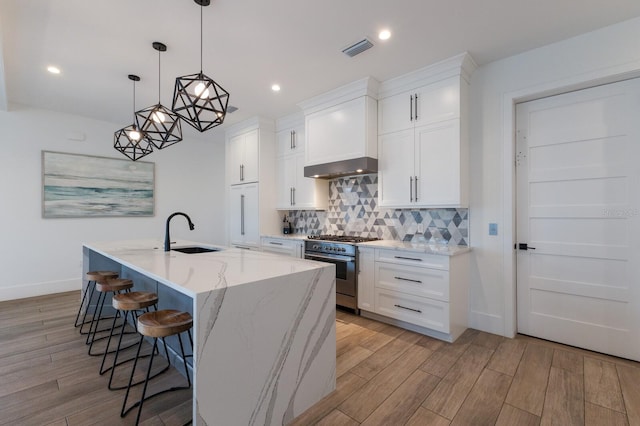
{"type": "Point", "coordinates": [422, 137]}
{"type": "Point", "coordinates": [243, 220]}
{"type": "Point", "coordinates": [422, 167]}
{"type": "Point", "coordinates": [284, 246]}
{"type": "Point", "coordinates": [428, 104]}
{"type": "Point", "coordinates": [243, 157]}
{"type": "Point", "coordinates": [251, 203]}
{"type": "Point", "coordinates": [366, 285]}
{"type": "Point", "coordinates": [294, 191]}
{"type": "Point", "coordinates": [420, 291]}
{"type": "Point", "coordinates": [290, 140]}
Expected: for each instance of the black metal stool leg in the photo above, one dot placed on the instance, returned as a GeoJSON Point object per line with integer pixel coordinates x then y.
{"type": "Point", "coordinates": [84, 297]}
{"type": "Point", "coordinates": [91, 291]}
{"type": "Point", "coordinates": [123, 412]}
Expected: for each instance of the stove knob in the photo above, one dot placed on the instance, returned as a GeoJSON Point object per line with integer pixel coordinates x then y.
{"type": "Point", "coordinates": [344, 249]}
{"type": "Point", "coordinates": [315, 247]}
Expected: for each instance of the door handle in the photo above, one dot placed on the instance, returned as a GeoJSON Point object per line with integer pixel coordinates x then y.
{"type": "Point", "coordinates": [293, 139]}
{"type": "Point", "coordinates": [241, 214]}
{"type": "Point", "coordinates": [291, 196]}
{"type": "Point", "coordinates": [416, 185]}
{"type": "Point", "coordinates": [241, 172]}
{"type": "Point", "coordinates": [411, 189]}
{"type": "Point", "coordinates": [415, 100]}
{"type": "Point", "coordinates": [411, 108]}
{"type": "Point", "coordinates": [408, 309]}
{"type": "Point", "coordinates": [293, 190]}
{"type": "Point", "coordinates": [525, 246]}
{"type": "Point", "coordinates": [408, 279]}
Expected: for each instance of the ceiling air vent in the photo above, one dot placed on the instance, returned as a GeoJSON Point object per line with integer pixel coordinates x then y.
{"type": "Point", "coordinates": [357, 48]}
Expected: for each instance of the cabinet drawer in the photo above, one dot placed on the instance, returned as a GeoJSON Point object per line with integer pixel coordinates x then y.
{"type": "Point", "coordinates": [411, 258]}
{"type": "Point", "coordinates": [281, 246]}
{"type": "Point", "coordinates": [421, 311]}
{"type": "Point", "coordinates": [432, 283]}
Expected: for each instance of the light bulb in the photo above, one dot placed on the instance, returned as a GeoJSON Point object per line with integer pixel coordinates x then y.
{"type": "Point", "coordinates": [384, 35]}
{"type": "Point", "coordinates": [158, 117]}
{"type": "Point", "coordinates": [134, 135]}
{"type": "Point", "coordinates": [201, 91]}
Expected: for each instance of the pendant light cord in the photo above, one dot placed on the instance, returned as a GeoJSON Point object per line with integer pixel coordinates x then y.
{"type": "Point", "coordinates": [201, 7]}
{"type": "Point", "coordinates": [134, 103]}
{"type": "Point", "coordinates": [159, 76]}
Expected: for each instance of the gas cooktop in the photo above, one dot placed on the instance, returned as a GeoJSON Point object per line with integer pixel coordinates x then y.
{"type": "Point", "coordinates": [342, 238]}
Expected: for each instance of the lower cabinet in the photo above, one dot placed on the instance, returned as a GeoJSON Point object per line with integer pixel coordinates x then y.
{"type": "Point", "coordinates": [284, 246]}
{"type": "Point", "coordinates": [244, 217]}
{"type": "Point", "coordinates": [424, 292]}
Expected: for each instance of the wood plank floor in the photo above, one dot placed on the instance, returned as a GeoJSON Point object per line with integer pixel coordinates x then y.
{"type": "Point", "coordinates": [386, 376]}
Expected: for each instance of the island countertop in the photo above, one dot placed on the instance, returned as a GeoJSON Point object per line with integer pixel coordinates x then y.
{"type": "Point", "coordinates": [193, 274]}
{"type": "Point", "coordinates": [264, 332]}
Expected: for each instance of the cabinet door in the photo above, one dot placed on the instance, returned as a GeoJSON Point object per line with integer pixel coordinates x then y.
{"type": "Point", "coordinates": [235, 158]}
{"type": "Point", "coordinates": [396, 113]}
{"type": "Point", "coordinates": [291, 141]}
{"type": "Point", "coordinates": [251, 155]}
{"type": "Point", "coordinates": [437, 102]}
{"type": "Point", "coordinates": [309, 193]}
{"type": "Point", "coordinates": [286, 181]}
{"type": "Point", "coordinates": [438, 164]}
{"type": "Point", "coordinates": [366, 279]}
{"type": "Point", "coordinates": [243, 215]}
{"type": "Point", "coordinates": [396, 169]}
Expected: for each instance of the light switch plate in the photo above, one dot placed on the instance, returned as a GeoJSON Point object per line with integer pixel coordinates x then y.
{"type": "Point", "coordinates": [493, 229]}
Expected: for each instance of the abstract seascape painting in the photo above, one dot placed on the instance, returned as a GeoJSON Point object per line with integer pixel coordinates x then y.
{"type": "Point", "coordinates": [75, 185]}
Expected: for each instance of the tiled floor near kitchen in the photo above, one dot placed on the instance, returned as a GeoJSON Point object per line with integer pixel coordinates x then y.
{"type": "Point", "coordinates": [386, 376]}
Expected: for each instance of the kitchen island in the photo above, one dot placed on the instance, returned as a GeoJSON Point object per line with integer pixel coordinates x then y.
{"type": "Point", "coordinates": [264, 325]}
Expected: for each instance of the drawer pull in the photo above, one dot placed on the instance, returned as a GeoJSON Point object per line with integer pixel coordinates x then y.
{"type": "Point", "coordinates": [275, 243]}
{"type": "Point", "coordinates": [408, 258]}
{"type": "Point", "coordinates": [408, 279]}
{"type": "Point", "coordinates": [408, 309]}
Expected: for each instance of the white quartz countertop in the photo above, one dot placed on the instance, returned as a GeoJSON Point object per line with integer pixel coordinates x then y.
{"type": "Point", "coordinates": [429, 248]}
{"type": "Point", "coordinates": [193, 274]}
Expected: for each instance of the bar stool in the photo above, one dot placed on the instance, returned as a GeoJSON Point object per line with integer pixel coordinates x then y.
{"type": "Point", "coordinates": [93, 277]}
{"type": "Point", "coordinates": [124, 303]}
{"type": "Point", "coordinates": [159, 324]}
{"type": "Point", "coordinates": [115, 286]}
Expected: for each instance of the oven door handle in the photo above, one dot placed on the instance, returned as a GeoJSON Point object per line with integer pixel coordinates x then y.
{"type": "Point", "coordinates": [328, 257]}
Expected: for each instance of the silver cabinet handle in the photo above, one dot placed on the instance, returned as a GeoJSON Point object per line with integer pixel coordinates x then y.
{"type": "Point", "coordinates": [275, 243]}
{"type": "Point", "coordinates": [408, 258]}
{"type": "Point", "coordinates": [411, 108]}
{"type": "Point", "coordinates": [408, 309]}
{"type": "Point", "coordinates": [411, 189]}
{"type": "Point", "coordinates": [293, 139]}
{"type": "Point", "coordinates": [416, 184]}
{"type": "Point", "coordinates": [408, 279]}
{"type": "Point", "coordinates": [294, 196]}
{"type": "Point", "coordinates": [240, 172]}
{"type": "Point", "coordinates": [415, 100]}
{"type": "Point", "coordinates": [291, 196]}
{"type": "Point", "coordinates": [242, 214]}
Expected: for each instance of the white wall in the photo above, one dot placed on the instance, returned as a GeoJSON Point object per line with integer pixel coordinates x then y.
{"type": "Point", "coordinates": [605, 55]}
{"type": "Point", "coordinates": [42, 256]}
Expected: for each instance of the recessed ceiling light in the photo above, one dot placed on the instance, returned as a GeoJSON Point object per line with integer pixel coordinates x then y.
{"type": "Point", "coordinates": [53, 70]}
{"type": "Point", "coordinates": [275, 87]}
{"type": "Point", "coordinates": [384, 35]}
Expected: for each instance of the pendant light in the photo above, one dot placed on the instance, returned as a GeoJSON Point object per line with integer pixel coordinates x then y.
{"type": "Point", "coordinates": [159, 123]}
{"type": "Point", "coordinates": [131, 140]}
{"type": "Point", "coordinates": [197, 99]}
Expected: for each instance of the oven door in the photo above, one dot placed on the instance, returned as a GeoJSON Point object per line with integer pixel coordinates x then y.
{"type": "Point", "coordinates": [345, 271]}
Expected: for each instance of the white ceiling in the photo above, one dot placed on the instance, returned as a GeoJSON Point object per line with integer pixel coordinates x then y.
{"type": "Point", "coordinates": [250, 44]}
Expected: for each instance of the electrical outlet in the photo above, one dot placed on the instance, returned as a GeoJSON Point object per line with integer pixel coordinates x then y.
{"type": "Point", "coordinates": [420, 228]}
{"type": "Point", "coordinates": [493, 229]}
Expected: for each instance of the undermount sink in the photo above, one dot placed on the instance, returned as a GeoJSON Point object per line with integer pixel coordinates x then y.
{"type": "Point", "coordinates": [194, 249]}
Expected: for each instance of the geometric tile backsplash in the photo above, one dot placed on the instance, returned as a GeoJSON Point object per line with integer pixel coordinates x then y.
{"type": "Point", "coordinates": [353, 210]}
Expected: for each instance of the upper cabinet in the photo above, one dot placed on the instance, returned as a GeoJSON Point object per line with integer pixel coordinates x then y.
{"type": "Point", "coordinates": [243, 157]}
{"type": "Point", "coordinates": [422, 141]}
{"type": "Point", "coordinates": [294, 191]}
{"type": "Point", "coordinates": [342, 124]}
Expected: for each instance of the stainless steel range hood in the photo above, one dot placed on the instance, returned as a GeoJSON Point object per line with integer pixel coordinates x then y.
{"type": "Point", "coordinates": [354, 166]}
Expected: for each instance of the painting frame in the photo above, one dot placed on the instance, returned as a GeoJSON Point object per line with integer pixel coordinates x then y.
{"type": "Point", "coordinates": [81, 186]}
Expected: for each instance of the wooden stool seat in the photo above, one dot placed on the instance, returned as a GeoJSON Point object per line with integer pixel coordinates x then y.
{"type": "Point", "coordinates": [101, 276]}
{"type": "Point", "coordinates": [114, 285]}
{"type": "Point", "coordinates": [134, 301]}
{"type": "Point", "coordinates": [163, 323]}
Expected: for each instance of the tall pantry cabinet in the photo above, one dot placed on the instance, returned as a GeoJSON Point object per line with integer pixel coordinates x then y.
{"type": "Point", "coordinates": [251, 185]}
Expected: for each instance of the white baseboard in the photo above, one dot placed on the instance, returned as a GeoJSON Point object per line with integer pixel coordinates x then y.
{"type": "Point", "coordinates": [489, 323]}
{"type": "Point", "coordinates": [39, 289]}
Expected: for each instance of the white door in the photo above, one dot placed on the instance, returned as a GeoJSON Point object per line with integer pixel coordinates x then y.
{"type": "Point", "coordinates": [578, 210]}
{"type": "Point", "coordinates": [396, 169]}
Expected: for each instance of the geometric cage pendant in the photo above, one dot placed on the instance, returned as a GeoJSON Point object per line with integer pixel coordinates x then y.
{"type": "Point", "coordinates": [130, 140]}
{"type": "Point", "coordinates": [200, 101]}
{"type": "Point", "coordinates": [161, 125]}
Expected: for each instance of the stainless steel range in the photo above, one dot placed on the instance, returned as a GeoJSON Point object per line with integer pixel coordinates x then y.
{"type": "Point", "coordinates": [342, 252]}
